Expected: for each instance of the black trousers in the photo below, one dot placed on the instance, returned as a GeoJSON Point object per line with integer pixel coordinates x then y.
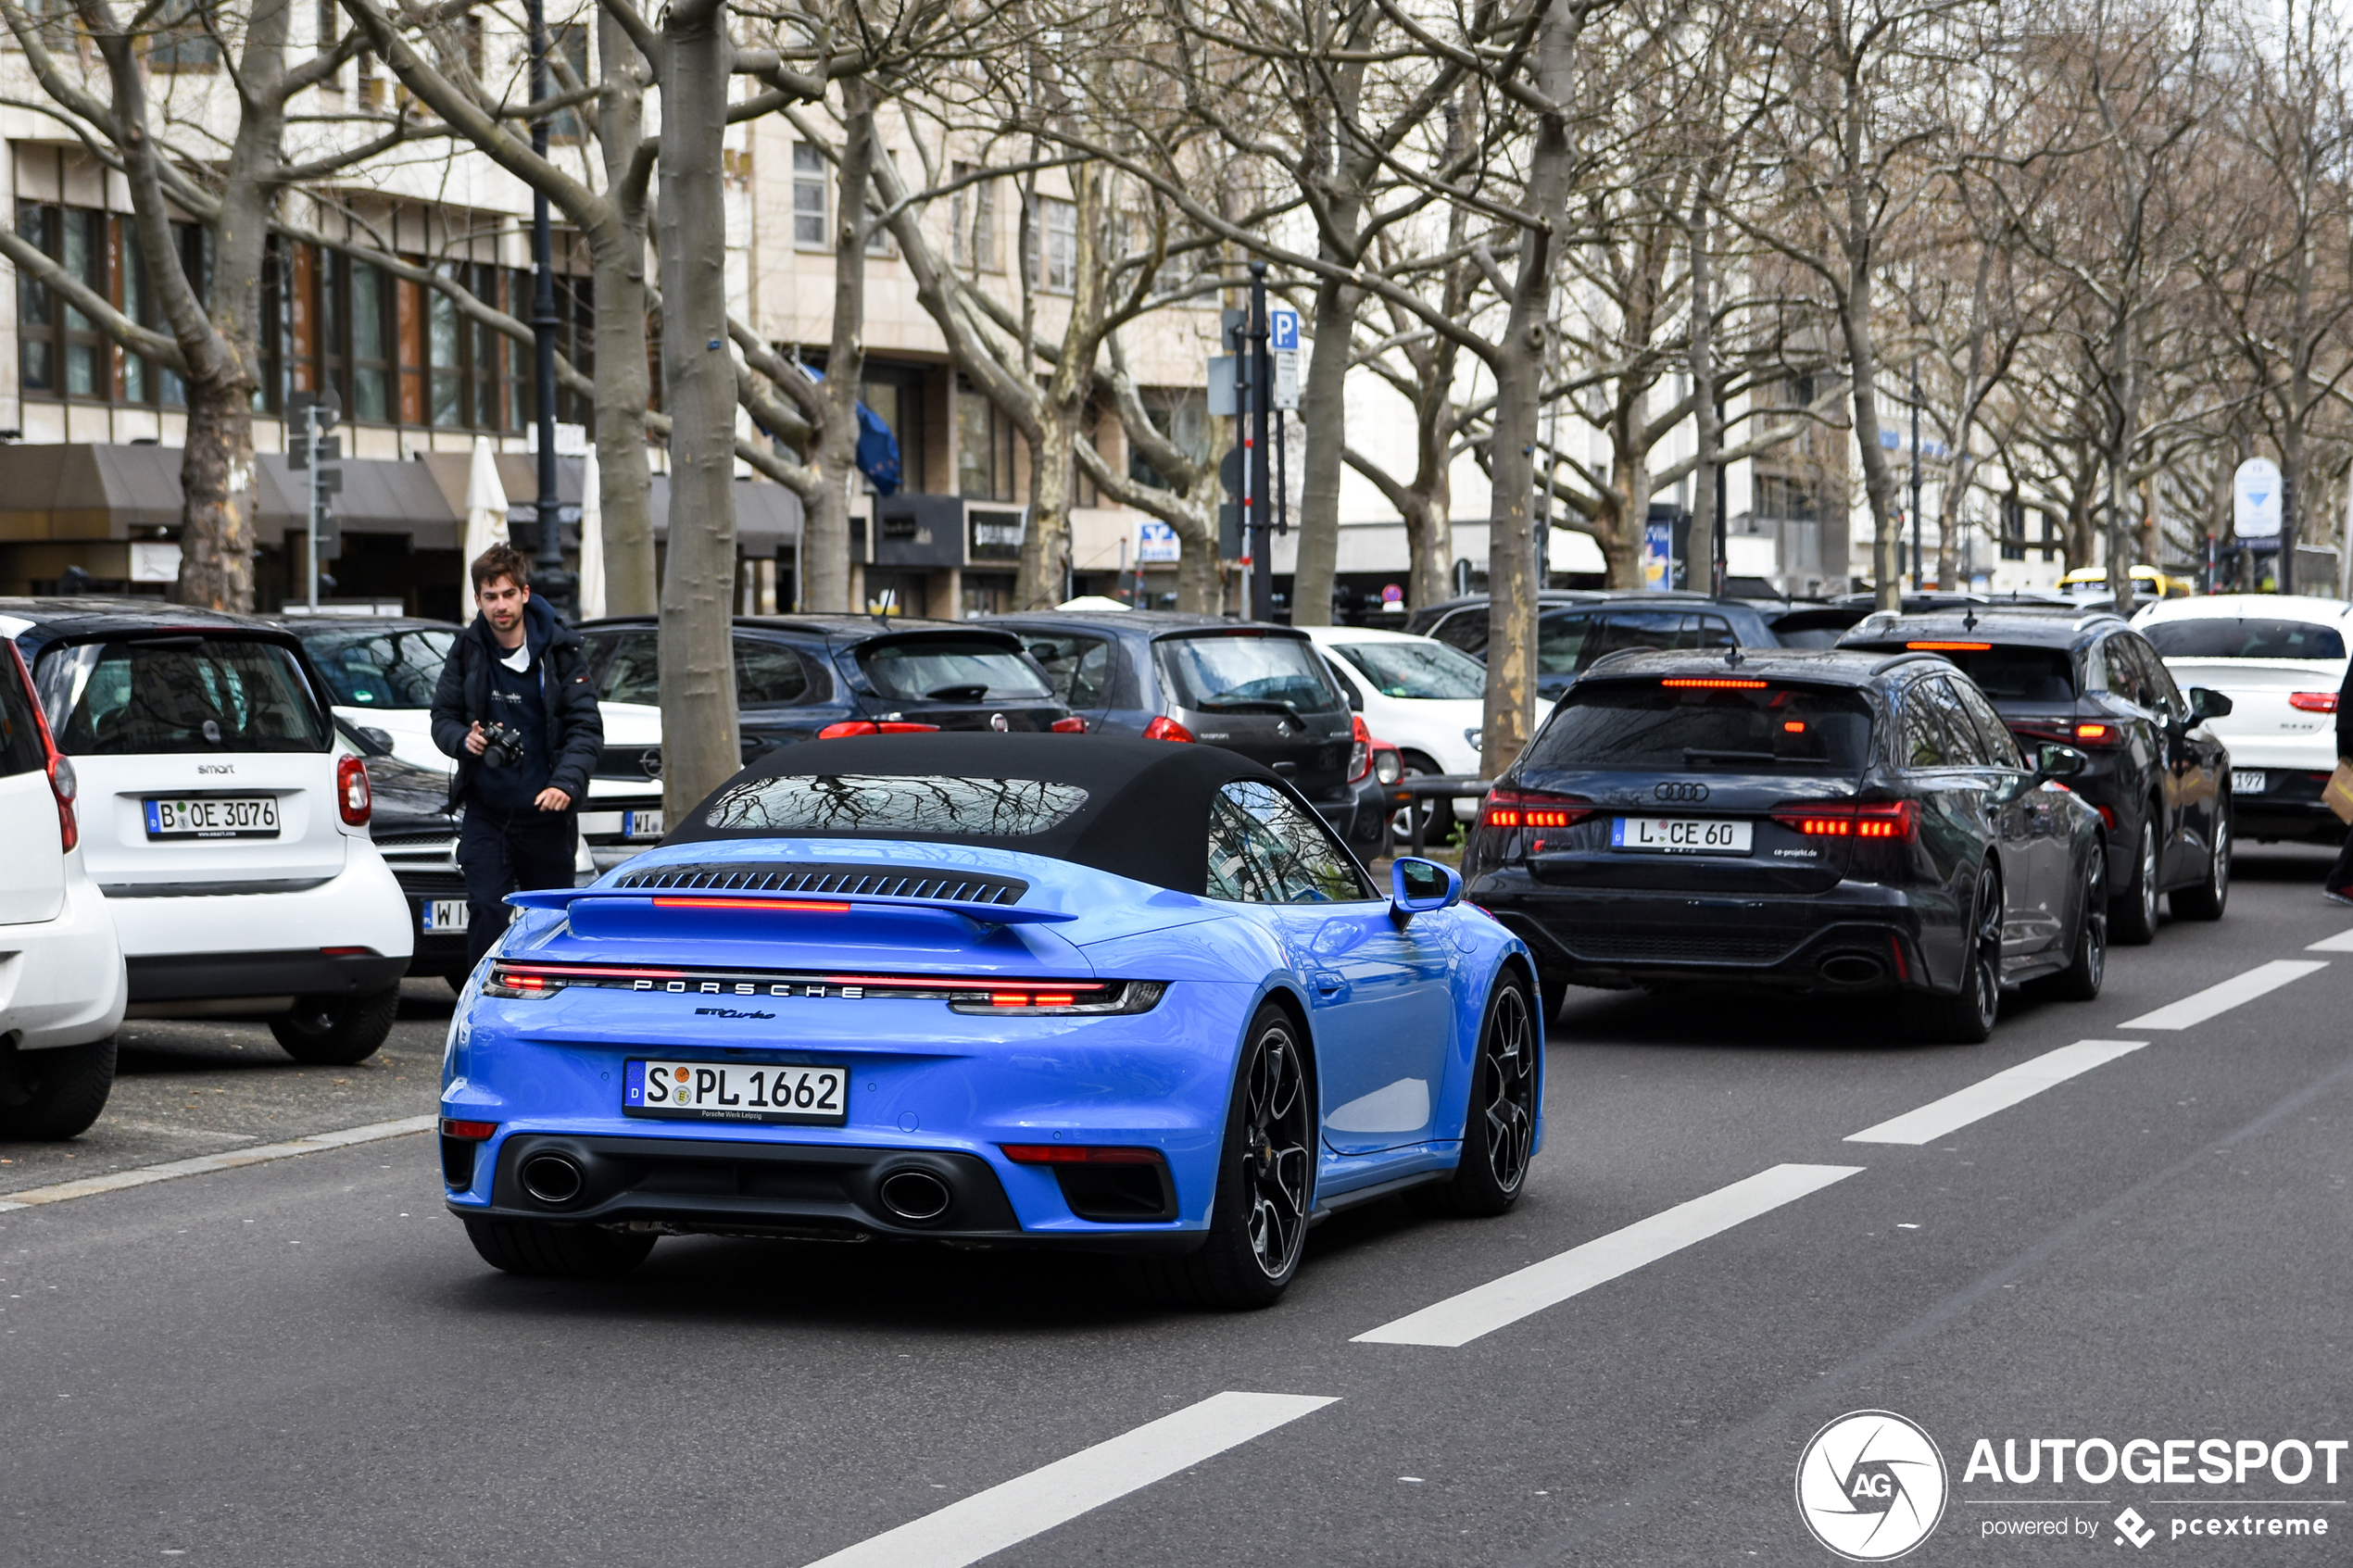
{"type": "Point", "coordinates": [505, 852]}
{"type": "Point", "coordinates": [2340, 879]}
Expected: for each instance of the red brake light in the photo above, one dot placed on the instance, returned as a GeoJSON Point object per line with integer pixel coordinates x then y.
{"type": "Point", "coordinates": [1166, 728]}
{"type": "Point", "coordinates": [1532, 809]}
{"type": "Point", "coordinates": [1077, 1154]}
{"type": "Point", "coordinates": [1893, 821]}
{"type": "Point", "coordinates": [812, 906]}
{"type": "Point", "coordinates": [1715, 681]}
{"type": "Point", "coordinates": [472, 1132]}
{"type": "Point", "coordinates": [2098, 734]}
{"type": "Point", "coordinates": [2313, 702]}
{"type": "Point", "coordinates": [1950, 648]}
{"type": "Point", "coordinates": [1073, 725]}
{"type": "Point", "coordinates": [1359, 756]}
{"type": "Point", "coordinates": [352, 798]}
{"type": "Point", "coordinates": [869, 727]}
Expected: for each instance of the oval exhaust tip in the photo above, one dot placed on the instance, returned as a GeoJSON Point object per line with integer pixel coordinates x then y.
{"type": "Point", "coordinates": [1852, 969]}
{"type": "Point", "coordinates": [914, 1196]}
{"type": "Point", "coordinates": [552, 1178]}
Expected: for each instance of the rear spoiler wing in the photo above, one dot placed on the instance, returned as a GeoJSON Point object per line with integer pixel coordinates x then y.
{"type": "Point", "coordinates": [828, 903]}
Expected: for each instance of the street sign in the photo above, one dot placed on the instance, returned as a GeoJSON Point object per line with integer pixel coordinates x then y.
{"type": "Point", "coordinates": [1286, 378]}
{"type": "Point", "coordinates": [1221, 396]}
{"type": "Point", "coordinates": [1282, 331]}
{"type": "Point", "coordinates": [1157, 545]}
{"type": "Point", "coordinates": [330, 535]}
{"type": "Point", "coordinates": [1231, 544]}
{"type": "Point", "coordinates": [2255, 499]}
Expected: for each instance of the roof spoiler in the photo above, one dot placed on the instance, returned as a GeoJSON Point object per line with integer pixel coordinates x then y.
{"type": "Point", "coordinates": [825, 903]}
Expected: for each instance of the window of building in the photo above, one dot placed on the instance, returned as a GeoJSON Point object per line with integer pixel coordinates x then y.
{"type": "Point", "coordinates": [1181, 415]}
{"type": "Point", "coordinates": [1059, 222]}
{"type": "Point", "coordinates": [184, 39]}
{"type": "Point", "coordinates": [567, 57]}
{"type": "Point", "coordinates": [61, 352]}
{"type": "Point", "coordinates": [984, 447]}
{"type": "Point", "coordinates": [808, 197]}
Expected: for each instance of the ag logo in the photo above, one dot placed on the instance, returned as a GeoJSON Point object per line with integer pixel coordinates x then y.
{"type": "Point", "coordinates": [1870, 1486]}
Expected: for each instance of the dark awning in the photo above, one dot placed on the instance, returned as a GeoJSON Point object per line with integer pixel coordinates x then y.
{"type": "Point", "coordinates": [86, 492]}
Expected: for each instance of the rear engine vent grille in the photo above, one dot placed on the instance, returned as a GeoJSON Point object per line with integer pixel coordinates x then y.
{"type": "Point", "coordinates": [819, 876]}
{"type": "Point", "coordinates": [1621, 945]}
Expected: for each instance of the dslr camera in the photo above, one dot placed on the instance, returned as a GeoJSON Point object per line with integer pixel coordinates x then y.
{"type": "Point", "coordinates": [501, 744]}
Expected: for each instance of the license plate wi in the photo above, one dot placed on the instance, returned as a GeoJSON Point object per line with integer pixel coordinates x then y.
{"type": "Point", "coordinates": [2247, 781]}
{"type": "Point", "coordinates": [641, 825]}
{"type": "Point", "coordinates": [1680, 836]}
{"type": "Point", "coordinates": [253, 816]}
{"type": "Point", "coordinates": [444, 915]}
{"type": "Point", "coordinates": [736, 1091]}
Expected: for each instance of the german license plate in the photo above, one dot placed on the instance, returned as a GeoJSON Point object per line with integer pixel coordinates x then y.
{"type": "Point", "coordinates": [641, 825]}
{"type": "Point", "coordinates": [705, 1091]}
{"type": "Point", "coordinates": [253, 816]}
{"type": "Point", "coordinates": [443, 914]}
{"type": "Point", "coordinates": [1680, 836]}
{"type": "Point", "coordinates": [2247, 781]}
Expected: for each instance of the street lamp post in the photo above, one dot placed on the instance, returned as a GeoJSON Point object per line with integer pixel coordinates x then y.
{"type": "Point", "coordinates": [1919, 571]}
{"type": "Point", "coordinates": [550, 578]}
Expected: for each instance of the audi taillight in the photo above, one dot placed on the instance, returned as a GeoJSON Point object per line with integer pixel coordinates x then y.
{"type": "Point", "coordinates": [352, 797]}
{"type": "Point", "coordinates": [2313, 702]}
{"type": "Point", "coordinates": [1889, 822]}
{"type": "Point", "coordinates": [1360, 754]}
{"type": "Point", "coordinates": [1532, 809]}
{"type": "Point", "coordinates": [1166, 728]}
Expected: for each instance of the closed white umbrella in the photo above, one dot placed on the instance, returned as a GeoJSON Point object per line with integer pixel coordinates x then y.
{"type": "Point", "coordinates": [485, 512]}
{"type": "Point", "coordinates": [592, 540]}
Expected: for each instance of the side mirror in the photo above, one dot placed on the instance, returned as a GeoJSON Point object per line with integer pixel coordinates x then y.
{"type": "Point", "coordinates": [1418, 886]}
{"type": "Point", "coordinates": [2206, 703]}
{"type": "Point", "coordinates": [2059, 762]}
{"type": "Point", "coordinates": [380, 739]}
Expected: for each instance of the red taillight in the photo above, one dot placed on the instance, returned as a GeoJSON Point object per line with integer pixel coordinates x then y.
{"type": "Point", "coordinates": [1166, 728]}
{"type": "Point", "coordinates": [870, 727]}
{"type": "Point", "coordinates": [1077, 1154]}
{"type": "Point", "coordinates": [62, 786]}
{"type": "Point", "coordinates": [2313, 702]}
{"type": "Point", "coordinates": [472, 1132]}
{"type": "Point", "coordinates": [1892, 820]}
{"type": "Point", "coordinates": [1073, 725]}
{"type": "Point", "coordinates": [2107, 816]}
{"type": "Point", "coordinates": [346, 952]}
{"type": "Point", "coordinates": [352, 798]}
{"type": "Point", "coordinates": [1359, 756]}
{"type": "Point", "coordinates": [807, 905]}
{"type": "Point", "coordinates": [1950, 648]}
{"type": "Point", "coordinates": [1715, 682]}
{"type": "Point", "coordinates": [2098, 734]}
{"type": "Point", "coordinates": [1532, 809]}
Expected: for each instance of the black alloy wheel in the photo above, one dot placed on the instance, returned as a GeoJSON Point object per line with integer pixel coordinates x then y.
{"type": "Point", "coordinates": [2133, 916]}
{"type": "Point", "coordinates": [2080, 980]}
{"type": "Point", "coordinates": [1965, 1017]}
{"type": "Point", "coordinates": [1498, 1131]}
{"type": "Point", "coordinates": [55, 1093]}
{"type": "Point", "coordinates": [337, 1031]}
{"type": "Point", "coordinates": [2208, 899]}
{"type": "Point", "coordinates": [1265, 1181]}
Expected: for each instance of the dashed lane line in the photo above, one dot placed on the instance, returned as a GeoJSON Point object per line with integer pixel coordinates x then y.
{"type": "Point", "coordinates": [1458, 1320]}
{"type": "Point", "coordinates": [2000, 1092]}
{"type": "Point", "coordinates": [2340, 942]}
{"type": "Point", "coordinates": [230, 1159]}
{"type": "Point", "coordinates": [2215, 1000]}
{"type": "Point", "coordinates": [1005, 1515]}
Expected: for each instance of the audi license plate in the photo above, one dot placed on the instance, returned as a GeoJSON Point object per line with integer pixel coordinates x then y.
{"type": "Point", "coordinates": [2247, 781]}
{"type": "Point", "coordinates": [641, 825]}
{"type": "Point", "coordinates": [253, 816]}
{"type": "Point", "coordinates": [1680, 836]}
{"type": "Point", "coordinates": [703, 1091]}
{"type": "Point", "coordinates": [443, 915]}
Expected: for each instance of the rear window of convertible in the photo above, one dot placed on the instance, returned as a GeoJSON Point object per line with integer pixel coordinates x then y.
{"type": "Point", "coordinates": [1709, 722]}
{"type": "Point", "coordinates": [819, 803]}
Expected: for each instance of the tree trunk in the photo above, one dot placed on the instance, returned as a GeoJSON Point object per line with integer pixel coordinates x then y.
{"type": "Point", "coordinates": [624, 382]}
{"type": "Point", "coordinates": [699, 719]}
{"type": "Point", "coordinates": [1199, 588]}
{"type": "Point", "coordinates": [1043, 579]}
{"type": "Point", "coordinates": [825, 541]}
{"type": "Point", "coordinates": [216, 488]}
{"type": "Point", "coordinates": [1879, 477]}
{"type": "Point", "coordinates": [1708, 434]}
{"type": "Point", "coordinates": [1323, 436]}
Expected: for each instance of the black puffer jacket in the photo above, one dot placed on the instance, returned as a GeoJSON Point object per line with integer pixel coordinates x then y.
{"type": "Point", "coordinates": [575, 727]}
{"type": "Point", "coordinates": [2345, 715]}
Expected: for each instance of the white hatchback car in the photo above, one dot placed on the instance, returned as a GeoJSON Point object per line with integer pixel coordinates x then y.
{"type": "Point", "coordinates": [228, 837]}
{"type": "Point", "coordinates": [61, 978]}
{"type": "Point", "coordinates": [2281, 659]}
{"type": "Point", "coordinates": [1426, 699]}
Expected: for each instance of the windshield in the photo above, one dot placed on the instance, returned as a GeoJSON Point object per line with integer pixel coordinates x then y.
{"type": "Point", "coordinates": [2222, 636]}
{"type": "Point", "coordinates": [2016, 675]}
{"type": "Point", "coordinates": [1431, 672]}
{"type": "Point", "coordinates": [1238, 671]}
{"type": "Point", "coordinates": [1657, 725]}
{"type": "Point", "coordinates": [382, 669]}
{"type": "Point", "coordinates": [952, 670]}
{"type": "Point", "coordinates": [870, 803]}
{"type": "Point", "coordinates": [176, 694]}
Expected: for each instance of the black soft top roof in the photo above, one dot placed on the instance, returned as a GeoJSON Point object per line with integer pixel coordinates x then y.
{"type": "Point", "coordinates": [1146, 816]}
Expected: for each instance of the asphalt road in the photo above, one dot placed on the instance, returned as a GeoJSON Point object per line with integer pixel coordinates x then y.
{"type": "Point", "coordinates": [302, 1361]}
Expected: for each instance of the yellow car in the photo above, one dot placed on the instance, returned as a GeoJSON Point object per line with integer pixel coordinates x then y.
{"type": "Point", "coordinates": [2145, 580]}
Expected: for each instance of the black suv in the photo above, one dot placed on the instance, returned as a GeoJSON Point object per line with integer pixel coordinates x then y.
{"type": "Point", "coordinates": [1805, 819]}
{"type": "Point", "coordinates": [2159, 779]}
{"type": "Point", "coordinates": [1576, 631]}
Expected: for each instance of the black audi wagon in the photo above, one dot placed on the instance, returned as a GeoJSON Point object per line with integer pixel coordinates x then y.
{"type": "Point", "coordinates": [1799, 819]}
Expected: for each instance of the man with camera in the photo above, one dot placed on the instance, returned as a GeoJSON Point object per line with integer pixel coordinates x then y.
{"type": "Point", "coordinates": [515, 707]}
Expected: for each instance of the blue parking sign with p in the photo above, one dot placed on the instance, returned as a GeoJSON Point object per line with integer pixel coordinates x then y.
{"type": "Point", "coordinates": [1283, 331]}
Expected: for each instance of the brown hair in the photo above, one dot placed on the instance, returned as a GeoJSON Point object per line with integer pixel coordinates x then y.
{"type": "Point", "coordinates": [500, 560]}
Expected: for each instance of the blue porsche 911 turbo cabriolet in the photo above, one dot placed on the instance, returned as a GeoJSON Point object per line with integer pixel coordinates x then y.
{"type": "Point", "coordinates": [1117, 993]}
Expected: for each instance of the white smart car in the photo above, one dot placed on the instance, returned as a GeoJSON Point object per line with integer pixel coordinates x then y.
{"type": "Point", "coordinates": [61, 980]}
{"type": "Point", "coordinates": [228, 835]}
{"type": "Point", "coordinates": [1422, 696]}
{"type": "Point", "coordinates": [2281, 659]}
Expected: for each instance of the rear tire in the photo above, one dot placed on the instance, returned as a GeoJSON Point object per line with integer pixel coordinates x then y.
{"type": "Point", "coordinates": [2210, 898]}
{"type": "Point", "coordinates": [1499, 1128]}
{"type": "Point", "coordinates": [2131, 919]}
{"type": "Point", "coordinates": [54, 1094]}
{"type": "Point", "coordinates": [1965, 1017]}
{"type": "Point", "coordinates": [1266, 1182]}
{"type": "Point", "coordinates": [540, 1250]}
{"type": "Point", "coordinates": [2080, 980]}
{"type": "Point", "coordinates": [337, 1030]}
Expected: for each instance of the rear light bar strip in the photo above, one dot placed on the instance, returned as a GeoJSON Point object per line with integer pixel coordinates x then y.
{"type": "Point", "coordinates": [964, 994]}
{"type": "Point", "coordinates": [1715, 682]}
